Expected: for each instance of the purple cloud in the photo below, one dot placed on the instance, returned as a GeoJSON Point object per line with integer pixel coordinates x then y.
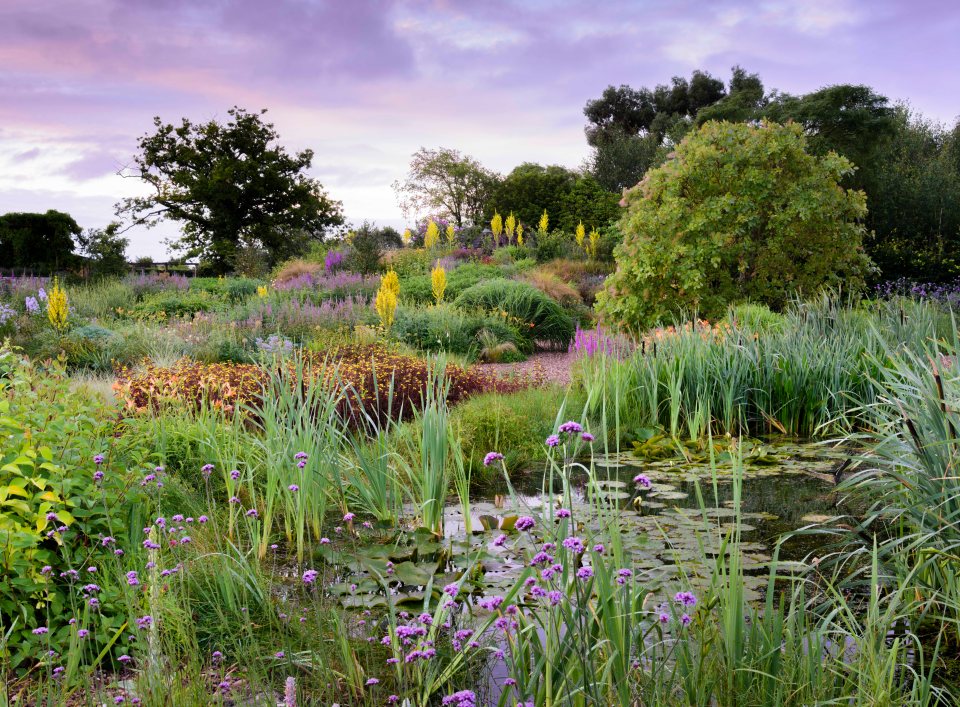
{"type": "Point", "coordinates": [503, 80]}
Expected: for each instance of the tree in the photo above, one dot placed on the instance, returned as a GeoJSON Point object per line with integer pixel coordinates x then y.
{"type": "Point", "coordinates": [38, 241]}
{"type": "Point", "coordinates": [740, 212]}
{"type": "Point", "coordinates": [231, 186]}
{"type": "Point", "coordinates": [621, 160]}
{"type": "Point", "coordinates": [588, 202]}
{"type": "Point", "coordinates": [443, 182]}
{"type": "Point", "coordinates": [106, 249]}
{"type": "Point", "coordinates": [530, 189]}
{"type": "Point", "coordinates": [743, 102]}
{"type": "Point", "coordinates": [632, 130]}
{"type": "Point", "coordinates": [852, 121]}
{"type": "Point", "coordinates": [915, 201]}
{"type": "Point", "coordinates": [367, 243]}
{"type": "Point", "coordinates": [665, 111]}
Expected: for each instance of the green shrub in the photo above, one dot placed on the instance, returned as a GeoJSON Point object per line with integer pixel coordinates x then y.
{"type": "Point", "coordinates": [530, 309]}
{"type": "Point", "coordinates": [234, 289]}
{"type": "Point", "coordinates": [756, 317]}
{"type": "Point", "coordinates": [555, 244]}
{"type": "Point", "coordinates": [443, 328]}
{"type": "Point", "coordinates": [419, 288]}
{"type": "Point", "coordinates": [51, 434]}
{"type": "Point", "coordinates": [409, 262]}
{"type": "Point", "coordinates": [178, 304]}
{"type": "Point", "coordinates": [742, 212]}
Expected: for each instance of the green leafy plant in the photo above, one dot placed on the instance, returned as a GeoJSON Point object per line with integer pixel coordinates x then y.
{"type": "Point", "coordinates": [741, 212]}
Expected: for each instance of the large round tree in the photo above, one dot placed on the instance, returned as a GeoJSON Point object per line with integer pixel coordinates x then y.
{"type": "Point", "coordinates": [232, 186]}
{"type": "Point", "coordinates": [740, 212]}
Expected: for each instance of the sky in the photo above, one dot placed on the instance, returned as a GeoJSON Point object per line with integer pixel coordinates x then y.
{"type": "Point", "coordinates": [365, 83]}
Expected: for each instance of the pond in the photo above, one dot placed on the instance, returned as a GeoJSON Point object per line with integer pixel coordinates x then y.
{"type": "Point", "coordinates": [671, 533]}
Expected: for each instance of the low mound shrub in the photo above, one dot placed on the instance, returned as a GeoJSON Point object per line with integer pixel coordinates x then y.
{"type": "Point", "coordinates": [547, 322]}
{"type": "Point", "coordinates": [444, 328]}
{"type": "Point", "coordinates": [172, 303]}
{"type": "Point", "coordinates": [418, 289]}
{"type": "Point", "coordinates": [371, 378]}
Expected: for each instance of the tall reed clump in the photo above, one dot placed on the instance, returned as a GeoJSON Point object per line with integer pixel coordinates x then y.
{"type": "Point", "coordinates": [910, 478]}
{"type": "Point", "coordinates": [431, 478]}
{"type": "Point", "coordinates": [301, 434]}
{"type": "Point", "coordinates": [807, 377]}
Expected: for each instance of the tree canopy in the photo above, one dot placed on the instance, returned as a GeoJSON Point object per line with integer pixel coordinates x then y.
{"type": "Point", "coordinates": [740, 212]}
{"type": "Point", "coordinates": [567, 196]}
{"type": "Point", "coordinates": [38, 241]}
{"type": "Point", "coordinates": [231, 186]}
{"type": "Point", "coordinates": [445, 183]}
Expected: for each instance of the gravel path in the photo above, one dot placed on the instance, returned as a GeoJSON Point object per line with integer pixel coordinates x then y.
{"type": "Point", "coordinates": [551, 367]}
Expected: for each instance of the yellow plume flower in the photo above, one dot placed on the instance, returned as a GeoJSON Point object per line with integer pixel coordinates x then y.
{"type": "Point", "coordinates": [391, 282]}
{"type": "Point", "coordinates": [594, 243]}
{"type": "Point", "coordinates": [262, 291]}
{"type": "Point", "coordinates": [451, 233]}
{"type": "Point", "coordinates": [544, 222]}
{"type": "Point", "coordinates": [386, 306]}
{"type": "Point", "coordinates": [580, 234]}
{"type": "Point", "coordinates": [58, 311]}
{"type": "Point", "coordinates": [510, 226]}
{"type": "Point", "coordinates": [407, 236]}
{"type": "Point", "coordinates": [438, 278]}
{"type": "Point", "coordinates": [520, 234]}
{"type": "Point", "coordinates": [496, 225]}
{"type": "Point", "coordinates": [432, 236]}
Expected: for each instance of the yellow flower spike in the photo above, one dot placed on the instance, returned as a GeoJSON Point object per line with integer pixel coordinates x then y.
{"type": "Point", "coordinates": [520, 234]}
{"type": "Point", "coordinates": [451, 233]}
{"type": "Point", "coordinates": [386, 306]}
{"type": "Point", "coordinates": [391, 281]}
{"type": "Point", "coordinates": [438, 278]}
{"type": "Point", "coordinates": [594, 243]}
{"type": "Point", "coordinates": [407, 236]}
{"type": "Point", "coordinates": [580, 234]}
{"type": "Point", "coordinates": [496, 225]}
{"type": "Point", "coordinates": [432, 236]}
{"type": "Point", "coordinates": [58, 310]}
{"type": "Point", "coordinates": [510, 226]}
{"type": "Point", "coordinates": [262, 291]}
{"type": "Point", "coordinates": [544, 222]}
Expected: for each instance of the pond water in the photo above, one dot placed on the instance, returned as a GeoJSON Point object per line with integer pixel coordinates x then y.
{"type": "Point", "coordinates": [671, 533]}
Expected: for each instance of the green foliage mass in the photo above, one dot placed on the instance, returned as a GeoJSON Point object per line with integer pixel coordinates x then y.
{"type": "Point", "coordinates": [530, 309]}
{"type": "Point", "coordinates": [443, 328]}
{"type": "Point", "coordinates": [232, 187]}
{"type": "Point", "coordinates": [567, 196]}
{"type": "Point", "coordinates": [51, 433]}
{"type": "Point", "coordinates": [419, 288]}
{"type": "Point", "coordinates": [741, 212]}
{"type": "Point", "coordinates": [37, 241]}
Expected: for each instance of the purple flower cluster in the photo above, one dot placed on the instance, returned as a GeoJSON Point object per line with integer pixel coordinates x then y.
{"type": "Point", "coordinates": [333, 261]}
{"type": "Point", "coordinates": [588, 343]}
{"type": "Point", "coordinates": [463, 698]}
{"type": "Point", "coordinates": [944, 293]}
{"type": "Point", "coordinates": [492, 457]}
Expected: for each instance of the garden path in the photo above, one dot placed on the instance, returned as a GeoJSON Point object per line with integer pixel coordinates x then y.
{"type": "Point", "coordinates": [551, 367]}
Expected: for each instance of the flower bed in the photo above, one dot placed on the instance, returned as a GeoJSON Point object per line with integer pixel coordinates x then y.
{"type": "Point", "coordinates": [360, 374]}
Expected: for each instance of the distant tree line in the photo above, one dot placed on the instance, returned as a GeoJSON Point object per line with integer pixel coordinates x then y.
{"type": "Point", "coordinates": [908, 167]}
{"type": "Point", "coordinates": [240, 197]}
